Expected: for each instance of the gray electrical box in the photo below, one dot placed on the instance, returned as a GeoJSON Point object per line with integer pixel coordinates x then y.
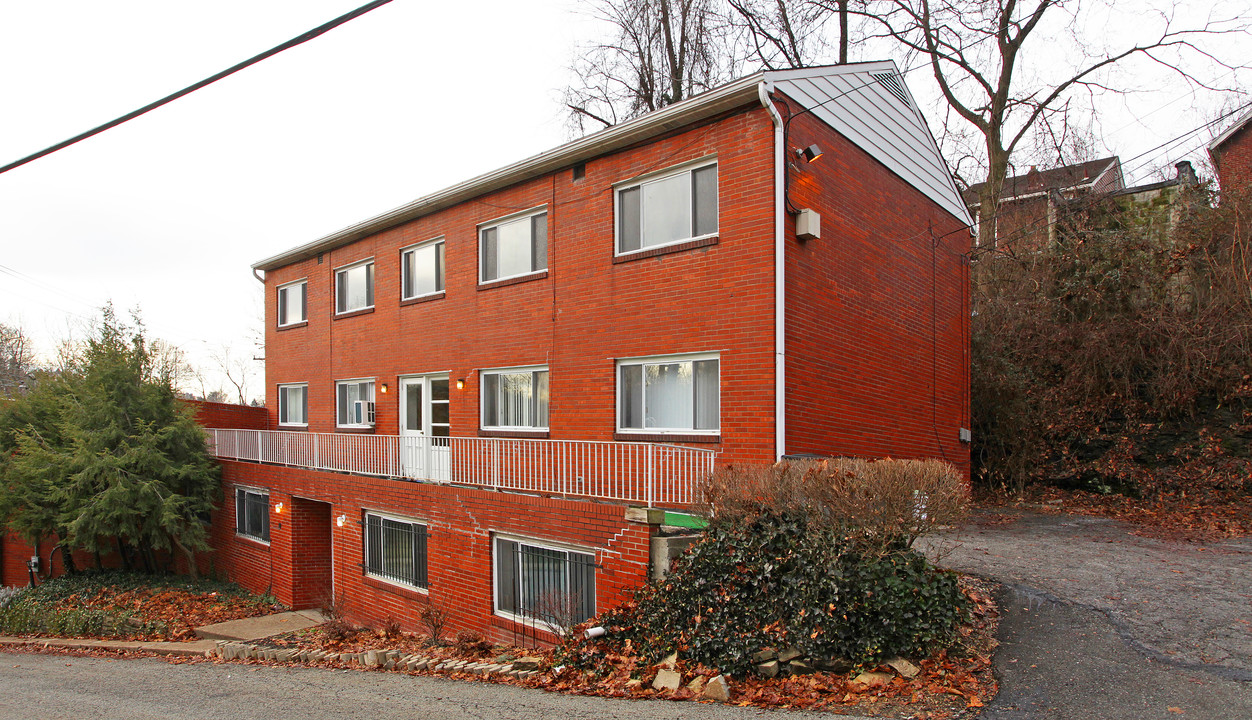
{"type": "Point", "coordinates": [808, 225]}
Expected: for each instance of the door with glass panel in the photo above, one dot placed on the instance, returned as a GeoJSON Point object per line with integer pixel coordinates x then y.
{"type": "Point", "coordinates": [424, 427]}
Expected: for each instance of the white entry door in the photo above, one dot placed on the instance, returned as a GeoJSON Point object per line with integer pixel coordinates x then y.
{"type": "Point", "coordinates": [424, 427]}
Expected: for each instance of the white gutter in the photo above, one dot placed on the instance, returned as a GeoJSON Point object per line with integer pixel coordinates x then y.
{"type": "Point", "coordinates": [780, 257]}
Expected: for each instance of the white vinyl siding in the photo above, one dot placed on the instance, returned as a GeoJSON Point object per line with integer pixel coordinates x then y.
{"type": "Point", "coordinates": [515, 398]}
{"type": "Point", "coordinates": [354, 287]}
{"type": "Point", "coordinates": [673, 207]}
{"type": "Point", "coordinates": [679, 394]}
{"type": "Point", "coordinates": [293, 405]}
{"type": "Point", "coordinates": [513, 247]}
{"type": "Point", "coordinates": [292, 303]}
{"type": "Point", "coordinates": [422, 270]}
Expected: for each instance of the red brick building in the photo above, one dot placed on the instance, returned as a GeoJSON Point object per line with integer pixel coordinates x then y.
{"type": "Point", "coordinates": [1232, 155]}
{"type": "Point", "coordinates": [485, 399]}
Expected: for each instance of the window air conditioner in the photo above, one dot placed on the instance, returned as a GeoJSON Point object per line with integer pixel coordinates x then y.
{"type": "Point", "coordinates": [364, 412]}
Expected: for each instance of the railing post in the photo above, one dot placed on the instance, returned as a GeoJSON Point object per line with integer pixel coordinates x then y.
{"type": "Point", "coordinates": [651, 477]}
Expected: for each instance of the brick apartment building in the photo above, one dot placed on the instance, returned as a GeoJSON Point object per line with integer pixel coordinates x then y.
{"type": "Point", "coordinates": [1231, 152]}
{"type": "Point", "coordinates": [485, 399]}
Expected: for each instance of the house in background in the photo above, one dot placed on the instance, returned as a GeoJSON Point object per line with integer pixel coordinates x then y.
{"type": "Point", "coordinates": [492, 399]}
{"type": "Point", "coordinates": [1231, 151]}
{"type": "Point", "coordinates": [1029, 202]}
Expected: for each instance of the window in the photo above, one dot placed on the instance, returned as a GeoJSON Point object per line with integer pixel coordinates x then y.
{"type": "Point", "coordinates": [422, 270]}
{"type": "Point", "coordinates": [354, 287]}
{"type": "Point", "coordinates": [293, 404]}
{"type": "Point", "coordinates": [672, 208]}
{"type": "Point", "coordinates": [513, 247]}
{"type": "Point", "coordinates": [292, 305]}
{"type": "Point", "coordinates": [673, 394]}
{"type": "Point", "coordinates": [516, 398]}
{"type": "Point", "coordinates": [395, 550]}
{"type": "Point", "coordinates": [354, 403]}
{"type": "Point", "coordinates": [551, 585]}
{"type": "Point", "coordinates": [252, 513]}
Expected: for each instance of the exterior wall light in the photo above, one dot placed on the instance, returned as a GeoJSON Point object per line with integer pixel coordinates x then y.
{"type": "Point", "coordinates": [810, 153]}
{"type": "Point", "coordinates": [339, 521]}
{"type": "Point", "coordinates": [383, 388]}
{"type": "Point", "coordinates": [278, 508]}
{"type": "Point", "coordinates": [460, 383]}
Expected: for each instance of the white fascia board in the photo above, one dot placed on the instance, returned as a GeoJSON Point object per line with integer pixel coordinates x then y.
{"type": "Point", "coordinates": [1230, 131]}
{"type": "Point", "coordinates": [714, 102]}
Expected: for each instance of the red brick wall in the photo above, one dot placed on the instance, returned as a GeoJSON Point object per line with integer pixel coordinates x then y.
{"type": "Point", "coordinates": [583, 314]}
{"type": "Point", "coordinates": [877, 312]}
{"type": "Point", "coordinates": [1233, 159]}
{"type": "Point", "coordinates": [460, 522]}
{"type": "Point", "coordinates": [227, 415]}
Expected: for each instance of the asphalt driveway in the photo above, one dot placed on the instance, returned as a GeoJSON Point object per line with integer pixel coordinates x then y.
{"type": "Point", "coordinates": [1100, 623]}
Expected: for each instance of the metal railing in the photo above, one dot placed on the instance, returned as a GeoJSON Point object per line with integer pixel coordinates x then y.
{"type": "Point", "coordinates": [647, 473]}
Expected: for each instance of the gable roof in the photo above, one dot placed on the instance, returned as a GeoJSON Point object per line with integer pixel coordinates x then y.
{"type": "Point", "coordinates": [866, 102]}
{"type": "Point", "coordinates": [1229, 132]}
{"type": "Point", "coordinates": [1068, 177]}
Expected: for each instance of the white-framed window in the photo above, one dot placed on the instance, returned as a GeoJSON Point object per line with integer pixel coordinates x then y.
{"type": "Point", "coordinates": [666, 208]}
{"type": "Point", "coordinates": [395, 549]}
{"type": "Point", "coordinates": [293, 303]}
{"type": "Point", "coordinates": [515, 398]}
{"type": "Point", "coordinates": [513, 246]}
{"type": "Point", "coordinates": [354, 287]}
{"type": "Point", "coordinates": [354, 403]}
{"type": "Point", "coordinates": [421, 269]}
{"type": "Point", "coordinates": [293, 404]}
{"type": "Point", "coordinates": [671, 394]}
{"type": "Point", "coordinates": [542, 582]}
{"type": "Point", "coordinates": [252, 513]}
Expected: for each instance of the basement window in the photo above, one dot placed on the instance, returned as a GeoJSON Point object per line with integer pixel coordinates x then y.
{"type": "Point", "coordinates": [537, 582]}
{"type": "Point", "coordinates": [252, 513]}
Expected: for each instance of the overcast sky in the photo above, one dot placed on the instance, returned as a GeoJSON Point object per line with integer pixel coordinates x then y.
{"type": "Point", "coordinates": [168, 212]}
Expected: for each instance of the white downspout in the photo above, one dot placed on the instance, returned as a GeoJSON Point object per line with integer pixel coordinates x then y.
{"type": "Point", "coordinates": [780, 308]}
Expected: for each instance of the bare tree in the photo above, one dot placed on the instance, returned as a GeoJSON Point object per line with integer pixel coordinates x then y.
{"type": "Point", "coordinates": [16, 360]}
{"type": "Point", "coordinates": [237, 368]}
{"type": "Point", "coordinates": [783, 34]}
{"type": "Point", "coordinates": [1006, 88]}
{"type": "Point", "coordinates": [658, 53]}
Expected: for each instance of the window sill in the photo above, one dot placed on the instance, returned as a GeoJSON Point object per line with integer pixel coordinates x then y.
{"type": "Point", "coordinates": [532, 629]}
{"type": "Point", "coordinates": [293, 326]}
{"type": "Point", "coordinates": [666, 249]}
{"type": "Point", "coordinates": [665, 438]}
{"type": "Point", "coordinates": [521, 434]}
{"type": "Point", "coordinates": [354, 313]}
{"type": "Point", "coordinates": [513, 280]}
{"type": "Point", "coordinates": [354, 430]}
{"type": "Point", "coordinates": [261, 544]}
{"type": "Point", "coordinates": [405, 591]}
{"type": "Point", "coordinates": [422, 299]}
{"type": "Point", "coordinates": [293, 428]}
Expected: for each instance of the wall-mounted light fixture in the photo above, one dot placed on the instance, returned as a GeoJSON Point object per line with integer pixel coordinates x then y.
{"type": "Point", "coordinates": [810, 153]}
{"type": "Point", "coordinates": [339, 521]}
{"type": "Point", "coordinates": [460, 383]}
{"type": "Point", "coordinates": [278, 509]}
{"type": "Point", "coordinates": [383, 388]}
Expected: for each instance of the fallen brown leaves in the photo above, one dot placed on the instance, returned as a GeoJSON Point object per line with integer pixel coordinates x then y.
{"type": "Point", "coordinates": [1173, 516]}
{"type": "Point", "coordinates": [179, 612]}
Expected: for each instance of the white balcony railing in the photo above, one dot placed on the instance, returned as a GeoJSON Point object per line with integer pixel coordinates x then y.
{"type": "Point", "coordinates": [646, 473]}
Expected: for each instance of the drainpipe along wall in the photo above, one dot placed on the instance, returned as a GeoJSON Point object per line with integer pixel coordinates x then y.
{"type": "Point", "coordinates": [780, 317]}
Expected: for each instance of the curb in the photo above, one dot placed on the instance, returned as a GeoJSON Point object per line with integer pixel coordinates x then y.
{"type": "Point", "coordinates": [199, 648]}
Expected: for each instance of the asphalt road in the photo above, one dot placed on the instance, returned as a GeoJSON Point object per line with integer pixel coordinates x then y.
{"type": "Point", "coordinates": [1101, 624]}
{"type": "Point", "coordinates": [51, 687]}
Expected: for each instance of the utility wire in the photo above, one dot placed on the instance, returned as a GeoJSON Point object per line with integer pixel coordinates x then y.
{"type": "Point", "coordinates": [319, 30]}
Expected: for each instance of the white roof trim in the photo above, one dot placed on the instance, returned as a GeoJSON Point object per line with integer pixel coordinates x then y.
{"type": "Point", "coordinates": [1228, 132]}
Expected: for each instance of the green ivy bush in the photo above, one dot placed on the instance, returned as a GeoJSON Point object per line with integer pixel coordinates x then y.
{"type": "Point", "coordinates": [780, 582]}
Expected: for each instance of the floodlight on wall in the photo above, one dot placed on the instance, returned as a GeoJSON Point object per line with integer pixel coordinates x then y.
{"type": "Point", "coordinates": [339, 521]}
{"type": "Point", "coordinates": [810, 153]}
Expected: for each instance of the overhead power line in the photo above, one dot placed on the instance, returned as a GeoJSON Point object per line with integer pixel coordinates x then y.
{"type": "Point", "coordinates": [319, 30]}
